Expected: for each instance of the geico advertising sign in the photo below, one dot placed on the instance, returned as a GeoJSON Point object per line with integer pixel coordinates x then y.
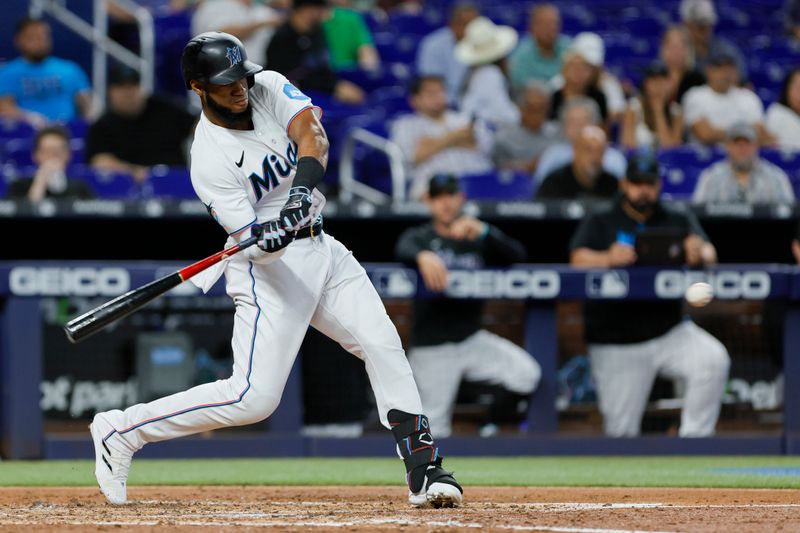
{"type": "Point", "coordinates": [503, 284]}
{"type": "Point", "coordinates": [727, 284]}
{"type": "Point", "coordinates": [79, 281]}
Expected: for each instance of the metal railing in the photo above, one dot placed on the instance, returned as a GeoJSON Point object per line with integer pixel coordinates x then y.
{"type": "Point", "coordinates": [349, 187]}
{"type": "Point", "coordinates": [97, 34]}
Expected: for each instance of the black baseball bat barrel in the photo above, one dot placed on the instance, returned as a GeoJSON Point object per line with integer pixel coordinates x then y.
{"type": "Point", "coordinates": [96, 319]}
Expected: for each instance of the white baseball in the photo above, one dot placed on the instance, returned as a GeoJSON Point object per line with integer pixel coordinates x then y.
{"type": "Point", "coordinates": [699, 294]}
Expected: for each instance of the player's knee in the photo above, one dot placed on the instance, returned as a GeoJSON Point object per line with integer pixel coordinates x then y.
{"type": "Point", "coordinates": [256, 406]}
{"type": "Point", "coordinates": [525, 376]}
{"type": "Point", "coordinates": [716, 361]}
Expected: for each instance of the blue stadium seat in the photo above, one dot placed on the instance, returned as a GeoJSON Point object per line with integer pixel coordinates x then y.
{"type": "Point", "coordinates": [498, 185]}
{"type": "Point", "coordinates": [391, 101]}
{"type": "Point", "coordinates": [789, 161]}
{"type": "Point", "coordinates": [682, 166]}
{"type": "Point", "coordinates": [10, 129]}
{"type": "Point", "coordinates": [167, 182]}
{"type": "Point", "coordinates": [415, 24]}
{"type": "Point", "coordinates": [107, 185]}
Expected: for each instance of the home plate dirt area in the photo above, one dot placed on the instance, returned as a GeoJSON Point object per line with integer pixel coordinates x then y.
{"type": "Point", "coordinates": [258, 508]}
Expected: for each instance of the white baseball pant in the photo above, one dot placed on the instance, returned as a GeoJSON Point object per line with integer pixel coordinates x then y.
{"type": "Point", "coordinates": [624, 375]}
{"type": "Point", "coordinates": [484, 357]}
{"type": "Point", "coordinates": [316, 281]}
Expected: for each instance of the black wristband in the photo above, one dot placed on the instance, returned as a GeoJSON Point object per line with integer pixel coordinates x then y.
{"type": "Point", "coordinates": [309, 173]}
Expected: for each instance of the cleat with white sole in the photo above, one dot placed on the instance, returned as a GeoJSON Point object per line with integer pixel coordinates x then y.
{"type": "Point", "coordinates": [111, 464]}
{"type": "Point", "coordinates": [440, 489]}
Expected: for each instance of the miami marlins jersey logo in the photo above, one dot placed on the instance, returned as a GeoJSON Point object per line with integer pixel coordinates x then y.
{"type": "Point", "coordinates": [234, 55]}
{"type": "Point", "coordinates": [272, 168]}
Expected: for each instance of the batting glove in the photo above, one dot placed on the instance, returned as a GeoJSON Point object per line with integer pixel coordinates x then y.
{"type": "Point", "coordinates": [271, 236]}
{"type": "Point", "coordinates": [296, 213]}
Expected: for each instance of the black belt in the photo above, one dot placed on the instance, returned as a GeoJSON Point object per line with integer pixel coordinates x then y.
{"type": "Point", "coordinates": [313, 230]}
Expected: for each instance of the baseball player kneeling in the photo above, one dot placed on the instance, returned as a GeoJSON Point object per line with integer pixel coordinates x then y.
{"type": "Point", "coordinates": [259, 151]}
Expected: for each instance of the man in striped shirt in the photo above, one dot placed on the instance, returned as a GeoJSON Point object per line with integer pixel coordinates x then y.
{"type": "Point", "coordinates": [436, 140]}
{"type": "Point", "coordinates": [743, 177]}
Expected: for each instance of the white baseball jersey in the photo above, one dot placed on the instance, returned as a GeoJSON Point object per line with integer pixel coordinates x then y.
{"type": "Point", "coordinates": [243, 177]}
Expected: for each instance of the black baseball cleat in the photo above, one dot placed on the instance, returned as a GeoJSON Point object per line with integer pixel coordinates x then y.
{"type": "Point", "coordinates": [439, 488]}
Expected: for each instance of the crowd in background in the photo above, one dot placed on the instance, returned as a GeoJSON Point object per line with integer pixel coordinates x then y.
{"type": "Point", "coordinates": [480, 97]}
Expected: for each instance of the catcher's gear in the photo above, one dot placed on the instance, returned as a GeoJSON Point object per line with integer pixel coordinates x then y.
{"type": "Point", "coordinates": [218, 58]}
{"type": "Point", "coordinates": [271, 236]}
{"type": "Point", "coordinates": [296, 212]}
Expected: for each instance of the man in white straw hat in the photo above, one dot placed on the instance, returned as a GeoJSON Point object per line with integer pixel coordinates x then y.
{"type": "Point", "coordinates": [484, 49]}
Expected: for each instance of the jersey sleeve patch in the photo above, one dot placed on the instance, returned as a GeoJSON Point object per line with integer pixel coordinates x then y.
{"type": "Point", "coordinates": [293, 92]}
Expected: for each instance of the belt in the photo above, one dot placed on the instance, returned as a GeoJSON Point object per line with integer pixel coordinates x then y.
{"type": "Point", "coordinates": [313, 230]}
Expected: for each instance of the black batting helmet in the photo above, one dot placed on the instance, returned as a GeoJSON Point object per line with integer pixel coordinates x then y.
{"type": "Point", "coordinates": [218, 58]}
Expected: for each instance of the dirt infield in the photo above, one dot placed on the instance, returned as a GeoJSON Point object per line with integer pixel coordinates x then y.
{"type": "Point", "coordinates": [162, 509]}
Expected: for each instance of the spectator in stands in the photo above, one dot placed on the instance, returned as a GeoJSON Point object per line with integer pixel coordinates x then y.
{"type": "Point", "coordinates": [578, 74]}
{"type": "Point", "coordinates": [37, 87]}
{"type": "Point", "coordinates": [249, 20]}
{"type": "Point", "coordinates": [590, 46]}
{"type": "Point", "coordinates": [435, 139]}
{"type": "Point", "coordinates": [51, 154]}
{"type": "Point", "coordinates": [518, 146]}
{"type": "Point", "coordinates": [298, 51]}
{"type": "Point", "coordinates": [349, 39]}
{"type": "Point", "coordinates": [137, 131]}
{"type": "Point", "coordinates": [651, 119]}
{"type": "Point", "coordinates": [783, 116]}
{"type": "Point", "coordinates": [709, 110]}
{"type": "Point", "coordinates": [699, 18]}
{"type": "Point", "coordinates": [539, 55]}
{"type": "Point", "coordinates": [446, 333]}
{"type": "Point", "coordinates": [436, 53]}
{"type": "Point", "coordinates": [630, 342]}
{"type": "Point", "coordinates": [578, 113]}
{"type": "Point", "coordinates": [584, 177]}
{"type": "Point", "coordinates": [743, 177]}
{"type": "Point", "coordinates": [487, 94]}
{"type": "Point", "coordinates": [676, 54]}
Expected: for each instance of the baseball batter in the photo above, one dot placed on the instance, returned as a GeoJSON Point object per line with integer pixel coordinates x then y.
{"type": "Point", "coordinates": [258, 152]}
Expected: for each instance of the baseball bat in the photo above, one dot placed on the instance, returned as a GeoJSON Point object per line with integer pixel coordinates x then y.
{"type": "Point", "coordinates": [93, 321]}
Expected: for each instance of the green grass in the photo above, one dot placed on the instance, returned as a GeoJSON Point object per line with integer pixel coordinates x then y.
{"type": "Point", "coordinates": [519, 471]}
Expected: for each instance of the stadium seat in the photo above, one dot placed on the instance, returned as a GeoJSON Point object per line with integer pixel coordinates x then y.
{"type": "Point", "coordinates": [498, 185]}
{"type": "Point", "coordinates": [106, 185]}
{"type": "Point", "coordinates": [10, 129]}
{"type": "Point", "coordinates": [166, 182]}
{"type": "Point", "coordinates": [787, 160]}
{"type": "Point", "coordinates": [682, 167]}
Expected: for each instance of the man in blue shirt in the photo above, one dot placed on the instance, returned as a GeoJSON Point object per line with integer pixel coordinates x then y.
{"type": "Point", "coordinates": [436, 54]}
{"type": "Point", "coordinates": [38, 88]}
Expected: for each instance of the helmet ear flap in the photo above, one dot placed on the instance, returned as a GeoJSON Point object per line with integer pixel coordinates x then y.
{"type": "Point", "coordinates": [251, 80]}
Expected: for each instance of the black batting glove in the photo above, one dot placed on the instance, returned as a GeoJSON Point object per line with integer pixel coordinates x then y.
{"type": "Point", "coordinates": [296, 212]}
{"type": "Point", "coordinates": [271, 236]}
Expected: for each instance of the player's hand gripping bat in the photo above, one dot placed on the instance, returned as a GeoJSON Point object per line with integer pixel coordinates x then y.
{"type": "Point", "coordinates": [93, 321]}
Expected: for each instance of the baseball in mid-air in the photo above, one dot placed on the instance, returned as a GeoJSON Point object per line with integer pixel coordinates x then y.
{"type": "Point", "coordinates": [699, 294]}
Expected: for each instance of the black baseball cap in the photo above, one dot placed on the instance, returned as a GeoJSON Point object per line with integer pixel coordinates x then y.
{"type": "Point", "coordinates": [122, 75]}
{"type": "Point", "coordinates": [443, 184]}
{"type": "Point", "coordinates": [643, 168]}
